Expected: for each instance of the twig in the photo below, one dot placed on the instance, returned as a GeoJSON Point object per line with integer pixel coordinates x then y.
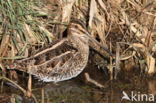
{"type": "Point", "coordinates": [29, 83]}
{"type": "Point", "coordinates": [110, 27]}
{"type": "Point", "coordinates": [127, 57]}
{"type": "Point", "coordinates": [111, 64]}
{"type": "Point", "coordinates": [42, 92]}
{"type": "Point", "coordinates": [93, 81]}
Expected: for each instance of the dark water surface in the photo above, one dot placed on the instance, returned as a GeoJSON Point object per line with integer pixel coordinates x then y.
{"type": "Point", "coordinates": [78, 90]}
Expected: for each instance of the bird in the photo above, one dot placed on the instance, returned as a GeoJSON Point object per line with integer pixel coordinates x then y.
{"type": "Point", "coordinates": [60, 60]}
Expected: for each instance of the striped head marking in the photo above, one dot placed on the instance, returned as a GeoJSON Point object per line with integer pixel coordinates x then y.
{"type": "Point", "coordinates": [77, 28]}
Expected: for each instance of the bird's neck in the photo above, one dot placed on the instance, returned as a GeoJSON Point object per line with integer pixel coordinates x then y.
{"type": "Point", "coordinates": [78, 43]}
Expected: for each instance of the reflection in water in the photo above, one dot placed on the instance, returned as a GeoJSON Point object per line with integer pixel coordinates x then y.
{"type": "Point", "coordinates": [70, 92]}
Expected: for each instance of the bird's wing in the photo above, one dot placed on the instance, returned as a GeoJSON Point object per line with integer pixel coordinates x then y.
{"type": "Point", "coordinates": [52, 55]}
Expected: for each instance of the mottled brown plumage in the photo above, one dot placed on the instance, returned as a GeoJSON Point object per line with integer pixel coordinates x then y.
{"type": "Point", "coordinates": [61, 60]}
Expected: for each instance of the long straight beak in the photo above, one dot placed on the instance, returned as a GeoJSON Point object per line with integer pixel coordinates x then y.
{"type": "Point", "coordinates": [92, 39]}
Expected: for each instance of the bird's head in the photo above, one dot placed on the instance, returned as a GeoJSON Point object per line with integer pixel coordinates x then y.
{"type": "Point", "coordinates": [78, 29]}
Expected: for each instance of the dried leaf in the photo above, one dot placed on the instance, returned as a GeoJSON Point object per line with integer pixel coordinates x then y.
{"type": "Point", "coordinates": [117, 60]}
{"type": "Point", "coordinates": [92, 11]}
{"type": "Point", "coordinates": [4, 45]}
{"type": "Point", "coordinates": [46, 31]}
{"type": "Point", "coordinates": [30, 33]}
{"type": "Point", "coordinates": [102, 5]}
{"type": "Point", "coordinates": [100, 33]}
{"type": "Point", "coordinates": [135, 27]}
{"type": "Point", "coordinates": [67, 9]}
{"type": "Point", "coordinates": [151, 64]}
{"type": "Point", "coordinates": [139, 47]}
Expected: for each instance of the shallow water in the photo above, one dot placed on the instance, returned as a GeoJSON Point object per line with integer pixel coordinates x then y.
{"type": "Point", "coordinates": [78, 90]}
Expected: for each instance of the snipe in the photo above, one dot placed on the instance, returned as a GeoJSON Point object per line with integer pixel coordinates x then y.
{"type": "Point", "coordinates": [62, 60]}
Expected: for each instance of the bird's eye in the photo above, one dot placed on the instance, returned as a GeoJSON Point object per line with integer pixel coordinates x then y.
{"type": "Point", "coordinates": [76, 26]}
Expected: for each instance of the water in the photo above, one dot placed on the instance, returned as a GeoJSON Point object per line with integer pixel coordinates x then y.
{"type": "Point", "coordinates": [79, 90]}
